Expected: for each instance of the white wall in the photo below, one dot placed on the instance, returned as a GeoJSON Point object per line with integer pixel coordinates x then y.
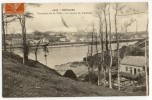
{"type": "Point", "coordinates": [123, 69]}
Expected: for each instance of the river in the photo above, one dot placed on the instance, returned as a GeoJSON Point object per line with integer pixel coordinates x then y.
{"type": "Point", "coordinates": [62, 55]}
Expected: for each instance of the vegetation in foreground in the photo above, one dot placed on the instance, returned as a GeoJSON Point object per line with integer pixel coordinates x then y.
{"type": "Point", "coordinates": [37, 80]}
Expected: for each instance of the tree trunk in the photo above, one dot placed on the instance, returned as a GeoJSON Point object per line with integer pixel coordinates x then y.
{"type": "Point", "coordinates": [25, 48]}
{"type": "Point", "coordinates": [46, 60]}
{"type": "Point", "coordinates": [99, 75]}
{"type": "Point", "coordinates": [92, 51]}
{"type": "Point", "coordinates": [92, 45]}
{"type": "Point", "coordinates": [88, 64]}
{"type": "Point", "coordinates": [110, 82]}
{"type": "Point", "coordinates": [36, 49]}
{"type": "Point", "coordinates": [117, 47]}
{"type": "Point", "coordinates": [100, 65]}
{"type": "Point", "coordinates": [10, 49]}
{"type": "Point", "coordinates": [104, 79]}
{"type": "Point", "coordinates": [102, 52]}
{"type": "Point", "coordinates": [106, 42]}
{"type": "Point", "coordinates": [3, 28]}
{"type": "Point", "coordinates": [101, 43]}
{"type": "Point", "coordinates": [110, 67]}
{"type": "Point", "coordinates": [105, 19]}
{"type": "Point", "coordinates": [96, 43]}
{"type": "Point", "coordinates": [36, 52]}
{"type": "Point", "coordinates": [35, 56]}
{"type": "Point", "coordinates": [89, 75]}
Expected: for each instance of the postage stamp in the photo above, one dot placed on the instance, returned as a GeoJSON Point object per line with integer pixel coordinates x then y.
{"type": "Point", "coordinates": [14, 8]}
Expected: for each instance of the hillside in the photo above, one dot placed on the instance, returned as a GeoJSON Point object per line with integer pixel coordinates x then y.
{"type": "Point", "coordinates": [37, 80]}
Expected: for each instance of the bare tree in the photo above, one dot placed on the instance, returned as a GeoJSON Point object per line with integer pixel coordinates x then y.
{"type": "Point", "coordinates": [110, 49]}
{"type": "Point", "coordinates": [128, 24]}
{"type": "Point", "coordinates": [25, 51]}
{"type": "Point", "coordinates": [100, 67]}
{"type": "Point", "coordinates": [88, 54]}
{"type": "Point", "coordinates": [10, 45]}
{"type": "Point", "coordinates": [38, 44]}
{"type": "Point", "coordinates": [22, 20]}
{"type": "Point", "coordinates": [117, 37]}
{"type": "Point", "coordinates": [91, 62]}
{"type": "Point", "coordinates": [92, 39]}
{"type": "Point", "coordinates": [106, 54]}
{"type": "Point", "coordinates": [92, 43]}
{"type": "Point", "coordinates": [45, 49]}
{"type": "Point", "coordinates": [36, 49]}
{"type": "Point", "coordinates": [106, 25]}
{"type": "Point", "coordinates": [102, 49]}
{"type": "Point", "coordinates": [5, 20]}
{"type": "Point", "coordinates": [101, 13]}
{"type": "Point", "coordinates": [118, 8]}
{"type": "Point", "coordinates": [88, 64]}
{"type": "Point", "coordinates": [12, 33]}
{"type": "Point", "coordinates": [3, 28]}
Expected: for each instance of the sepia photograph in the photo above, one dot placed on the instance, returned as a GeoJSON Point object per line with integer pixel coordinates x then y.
{"type": "Point", "coordinates": [75, 49]}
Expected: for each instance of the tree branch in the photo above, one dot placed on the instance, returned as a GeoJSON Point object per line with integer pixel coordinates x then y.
{"type": "Point", "coordinates": [131, 14]}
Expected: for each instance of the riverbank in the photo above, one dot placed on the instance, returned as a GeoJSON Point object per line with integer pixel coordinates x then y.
{"type": "Point", "coordinates": [70, 44]}
{"type": "Point", "coordinates": [38, 80]}
{"type": "Point", "coordinates": [78, 67]}
{"type": "Point", "coordinates": [50, 45]}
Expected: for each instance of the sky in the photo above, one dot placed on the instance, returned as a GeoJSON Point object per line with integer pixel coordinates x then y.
{"type": "Point", "coordinates": [47, 17]}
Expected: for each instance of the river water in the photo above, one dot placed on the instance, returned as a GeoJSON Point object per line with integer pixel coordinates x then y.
{"type": "Point", "coordinates": [62, 55]}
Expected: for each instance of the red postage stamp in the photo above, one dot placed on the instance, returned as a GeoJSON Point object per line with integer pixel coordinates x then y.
{"type": "Point", "coordinates": [14, 8]}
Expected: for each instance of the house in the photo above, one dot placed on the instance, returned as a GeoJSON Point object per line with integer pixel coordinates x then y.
{"type": "Point", "coordinates": [34, 41]}
{"type": "Point", "coordinates": [17, 41]}
{"type": "Point", "coordinates": [132, 65]}
{"type": "Point", "coordinates": [62, 39]}
{"type": "Point", "coordinates": [72, 40]}
{"type": "Point", "coordinates": [8, 42]}
{"type": "Point", "coordinates": [52, 34]}
{"type": "Point", "coordinates": [45, 40]}
{"type": "Point", "coordinates": [82, 39]}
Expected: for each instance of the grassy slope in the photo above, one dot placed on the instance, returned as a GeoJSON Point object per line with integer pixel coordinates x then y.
{"type": "Point", "coordinates": [38, 80]}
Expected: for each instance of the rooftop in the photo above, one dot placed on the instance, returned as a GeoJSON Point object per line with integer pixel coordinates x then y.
{"type": "Point", "coordinates": [134, 61]}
